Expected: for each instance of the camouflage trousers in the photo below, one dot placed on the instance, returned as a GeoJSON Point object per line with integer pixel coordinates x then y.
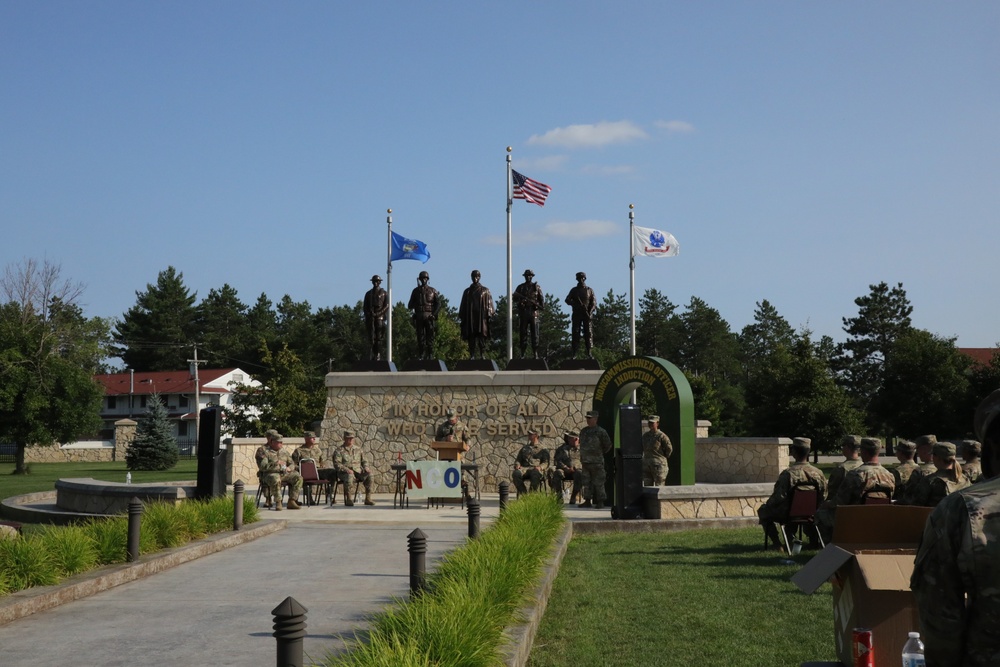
{"type": "Point", "coordinates": [362, 478]}
{"type": "Point", "coordinates": [654, 472]}
{"type": "Point", "coordinates": [593, 482]}
{"type": "Point", "coordinates": [272, 481]}
{"type": "Point", "coordinates": [533, 476]}
{"type": "Point", "coordinates": [558, 477]}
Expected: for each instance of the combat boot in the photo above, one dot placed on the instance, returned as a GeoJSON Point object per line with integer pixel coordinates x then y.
{"type": "Point", "coordinates": [267, 503]}
{"type": "Point", "coordinates": [368, 498]}
{"type": "Point", "coordinates": [293, 504]}
{"type": "Point", "coordinates": [277, 505]}
{"type": "Point", "coordinates": [586, 503]}
{"type": "Point", "coordinates": [348, 498]}
{"type": "Point", "coordinates": [572, 499]}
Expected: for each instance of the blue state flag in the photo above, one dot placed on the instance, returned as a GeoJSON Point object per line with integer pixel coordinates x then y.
{"type": "Point", "coordinates": [404, 248]}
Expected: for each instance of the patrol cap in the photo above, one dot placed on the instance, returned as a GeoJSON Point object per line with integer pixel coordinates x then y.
{"type": "Point", "coordinates": [532, 431]}
{"type": "Point", "coordinates": [852, 441]}
{"type": "Point", "coordinates": [529, 272]}
{"type": "Point", "coordinates": [450, 412]}
{"type": "Point", "coordinates": [348, 433]}
{"type": "Point", "coordinates": [571, 434]}
{"type": "Point", "coordinates": [985, 413]}
{"type": "Point", "coordinates": [924, 440]}
{"type": "Point", "coordinates": [277, 438]}
{"type": "Point", "coordinates": [802, 442]}
{"type": "Point", "coordinates": [581, 275]}
{"type": "Point", "coordinates": [653, 418]}
{"type": "Point", "coordinates": [945, 450]}
{"type": "Point", "coordinates": [871, 444]}
{"type": "Point", "coordinates": [270, 433]}
{"type": "Point", "coordinates": [309, 434]}
{"type": "Point", "coordinates": [972, 446]}
{"type": "Point", "coordinates": [593, 413]}
{"type": "Point", "coordinates": [376, 279]}
{"type": "Point", "coordinates": [906, 446]}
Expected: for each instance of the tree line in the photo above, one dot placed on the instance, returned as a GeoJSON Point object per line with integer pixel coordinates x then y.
{"type": "Point", "coordinates": [887, 378]}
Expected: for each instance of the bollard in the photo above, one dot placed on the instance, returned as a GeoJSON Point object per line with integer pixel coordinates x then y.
{"type": "Point", "coordinates": [238, 505]}
{"type": "Point", "coordinates": [474, 513]}
{"type": "Point", "coordinates": [289, 631]}
{"type": "Point", "coordinates": [418, 561]}
{"type": "Point", "coordinates": [504, 487]}
{"type": "Point", "coordinates": [134, 524]}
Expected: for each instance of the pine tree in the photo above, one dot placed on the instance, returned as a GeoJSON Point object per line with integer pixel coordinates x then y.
{"type": "Point", "coordinates": [154, 446]}
{"type": "Point", "coordinates": [156, 333]}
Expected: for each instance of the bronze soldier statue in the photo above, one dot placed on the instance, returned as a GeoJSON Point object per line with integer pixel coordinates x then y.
{"type": "Point", "coordinates": [530, 301]}
{"type": "Point", "coordinates": [581, 299]}
{"type": "Point", "coordinates": [376, 307]}
{"type": "Point", "coordinates": [475, 313]}
{"type": "Point", "coordinates": [424, 306]}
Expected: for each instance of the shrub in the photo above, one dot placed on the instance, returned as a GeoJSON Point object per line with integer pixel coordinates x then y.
{"type": "Point", "coordinates": [192, 519]}
{"type": "Point", "coordinates": [154, 446]}
{"type": "Point", "coordinates": [165, 524]}
{"type": "Point", "coordinates": [217, 513]}
{"type": "Point", "coordinates": [26, 563]}
{"type": "Point", "coordinates": [71, 547]}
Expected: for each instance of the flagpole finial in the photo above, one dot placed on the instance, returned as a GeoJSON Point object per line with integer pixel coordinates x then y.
{"type": "Point", "coordinates": [388, 210]}
{"type": "Point", "coordinates": [631, 206]}
{"type": "Point", "coordinates": [509, 149]}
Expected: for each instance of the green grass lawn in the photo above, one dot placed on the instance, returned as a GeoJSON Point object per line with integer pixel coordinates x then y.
{"type": "Point", "coordinates": [699, 597]}
{"type": "Point", "coordinates": [43, 476]}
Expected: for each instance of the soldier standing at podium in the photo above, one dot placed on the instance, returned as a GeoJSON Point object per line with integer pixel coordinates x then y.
{"type": "Point", "coordinates": [452, 430]}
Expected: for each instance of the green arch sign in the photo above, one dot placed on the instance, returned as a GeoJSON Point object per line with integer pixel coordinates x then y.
{"type": "Point", "coordinates": [674, 405]}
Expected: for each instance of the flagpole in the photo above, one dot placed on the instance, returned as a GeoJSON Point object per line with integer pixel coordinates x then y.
{"type": "Point", "coordinates": [631, 271]}
{"type": "Point", "coordinates": [510, 304]}
{"type": "Point", "coordinates": [388, 283]}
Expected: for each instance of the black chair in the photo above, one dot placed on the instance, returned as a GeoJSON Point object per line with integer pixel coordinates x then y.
{"type": "Point", "coordinates": [802, 505]}
{"type": "Point", "coordinates": [335, 484]}
{"type": "Point", "coordinates": [877, 495]}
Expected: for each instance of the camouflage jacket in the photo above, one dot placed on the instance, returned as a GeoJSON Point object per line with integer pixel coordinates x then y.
{"type": "Point", "coordinates": [656, 445]}
{"type": "Point", "coordinates": [797, 474]}
{"type": "Point", "coordinates": [902, 474]}
{"type": "Point", "coordinates": [958, 557]}
{"type": "Point", "coordinates": [839, 473]}
{"type": "Point", "coordinates": [594, 443]}
{"type": "Point", "coordinates": [273, 461]}
{"type": "Point", "coordinates": [315, 453]}
{"type": "Point", "coordinates": [446, 430]}
{"type": "Point", "coordinates": [861, 480]}
{"type": "Point", "coordinates": [932, 489]}
{"type": "Point", "coordinates": [349, 458]}
{"type": "Point", "coordinates": [567, 456]}
{"type": "Point", "coordinates": [973, 471]}
{"type": "Point", "coordinates": [533, 456]}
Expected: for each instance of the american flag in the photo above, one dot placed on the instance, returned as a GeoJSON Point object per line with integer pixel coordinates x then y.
{"type": "Point", "coordinates": [529, 190]}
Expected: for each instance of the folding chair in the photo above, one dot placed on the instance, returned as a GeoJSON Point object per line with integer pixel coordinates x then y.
{"type": "Point", "coordinates": [262, 490]}
{"type": "Point", "coordinates": [877, 495]}
{"type": "Point", "coordinates": [335, 484]}
{"type": "Point", "coordinates": [802, 507]}
{"type": "Point", "coordinates": [311, 481]}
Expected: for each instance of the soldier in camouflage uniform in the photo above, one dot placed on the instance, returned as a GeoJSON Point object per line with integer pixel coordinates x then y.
{"type": "Point", "coordinates": [800, 474]}
{"type": "Point", "coordinates": [656, 449]}
{"type": "Point", "coordinates": [868, 479]}
{"type": "Point", "coordinates": [532, 463]}
{"type": "Point", "coordinates": [947, 478]}
{"type": "Point", "coordinates": [259, 455]}
{"type": "Point", "coordinates": [566, 465]}
{"type": "Point", "coordinates": [972, 468]}
{"type": "Point", "coordinates": [955, 579]}
{"type": "Point", "coordinates": [849, 448]}
{"type": "Point", "coordinates": [352, 466]}
{"type": "Point", "coordinates": [277, 468]}
{"type": "Point", "coordinates": [452, 430]}
{"type": "Point", "coordinates": [904, 450]}
{"type": "Point", "coordinates": [594, 444]}
{"type": "Point", "coordinates": [925, 450]}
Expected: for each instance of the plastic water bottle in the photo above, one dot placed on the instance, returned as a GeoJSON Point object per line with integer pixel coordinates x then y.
{"type": "Point", "coordinates": [128, 478]}
{"type": "Point", "coordinates": [913, 651]}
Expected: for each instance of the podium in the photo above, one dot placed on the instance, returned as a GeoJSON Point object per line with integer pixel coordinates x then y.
{"type": "Point", "coordinates": [450, 450]}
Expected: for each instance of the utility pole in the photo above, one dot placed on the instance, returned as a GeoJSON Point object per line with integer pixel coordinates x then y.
{"type": "Point", "coordinates": [197, 396]}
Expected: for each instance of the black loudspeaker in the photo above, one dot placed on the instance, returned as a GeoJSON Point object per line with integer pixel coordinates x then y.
{"type": "Point", "coordinates": [211, 464]}
{"type": "Point", "coordinates": [628, 481]}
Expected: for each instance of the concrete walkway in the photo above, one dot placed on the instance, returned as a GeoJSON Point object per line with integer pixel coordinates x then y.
{"type": "Point", "coordinates": [341, 563]}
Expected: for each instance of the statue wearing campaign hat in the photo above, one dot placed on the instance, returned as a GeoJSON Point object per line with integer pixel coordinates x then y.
{"type": "Point", "coordinates": [530, 301]}
{"type": "Point", "coordinates": [376, 308]}
{"type": "Point", "coordinates": [581, 299]}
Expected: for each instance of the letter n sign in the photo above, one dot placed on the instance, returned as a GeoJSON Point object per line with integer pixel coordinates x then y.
{"type": "Point", "coordinates": [433, 479]}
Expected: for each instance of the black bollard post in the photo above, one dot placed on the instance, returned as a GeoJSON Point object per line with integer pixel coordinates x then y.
{"type": "Point", "coordinates": [418, 561]}
{"type": "Point", "coordinates": [504, 487]}
{"type": "Point", "coordinates": [134, 524]}
{"type": "Point", "coordinates": [474, 513]}
{"type": "Point", "coordinates": [238, 505]}
{"type": "Point", "coordinates": [289, 631]}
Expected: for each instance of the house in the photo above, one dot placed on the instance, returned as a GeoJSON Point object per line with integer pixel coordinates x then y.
{"type": "Point", "coordinates": [980, 356]}
{"type": "Point", "coordinates": [126, 395]}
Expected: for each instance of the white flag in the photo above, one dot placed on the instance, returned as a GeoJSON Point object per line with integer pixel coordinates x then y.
{"type": "Point", "coordinates": [653, 242]}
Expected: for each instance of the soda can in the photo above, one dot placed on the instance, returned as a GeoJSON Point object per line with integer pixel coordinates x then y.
{"type": "Point", "coordinates": [863, 653]}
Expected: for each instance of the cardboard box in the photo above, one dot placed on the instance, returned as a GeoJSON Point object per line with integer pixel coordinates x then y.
{"type": "Point", "coordinates": [869, 564]}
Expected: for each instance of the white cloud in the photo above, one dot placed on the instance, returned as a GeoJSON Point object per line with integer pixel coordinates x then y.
{"type": "Point", "coordinates": [609, 170]}
{"type": "Point", "coordinates": [576, 230]}
{"type": "Point", "coordinates": [548, 163]}
{"type": "Point", "coordinates": [675, 126]}
{"type": "Point", "coordinates": [591, 135]}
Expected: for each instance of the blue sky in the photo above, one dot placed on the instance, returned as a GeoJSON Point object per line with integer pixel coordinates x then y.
{"type": "Point", "coordinates": [799, 152]}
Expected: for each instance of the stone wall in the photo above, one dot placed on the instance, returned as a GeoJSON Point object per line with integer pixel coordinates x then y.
{"type": "Point", "coordinates": [240, 461]}
{"type": "Point", "coordinates": [91, 451]}
{"type": "Point", "coordinates": [740, 460]}
{"type": "Point", "coordinates": [395, 415]}
{"type": "Point", "coordinates": [705, 501]}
